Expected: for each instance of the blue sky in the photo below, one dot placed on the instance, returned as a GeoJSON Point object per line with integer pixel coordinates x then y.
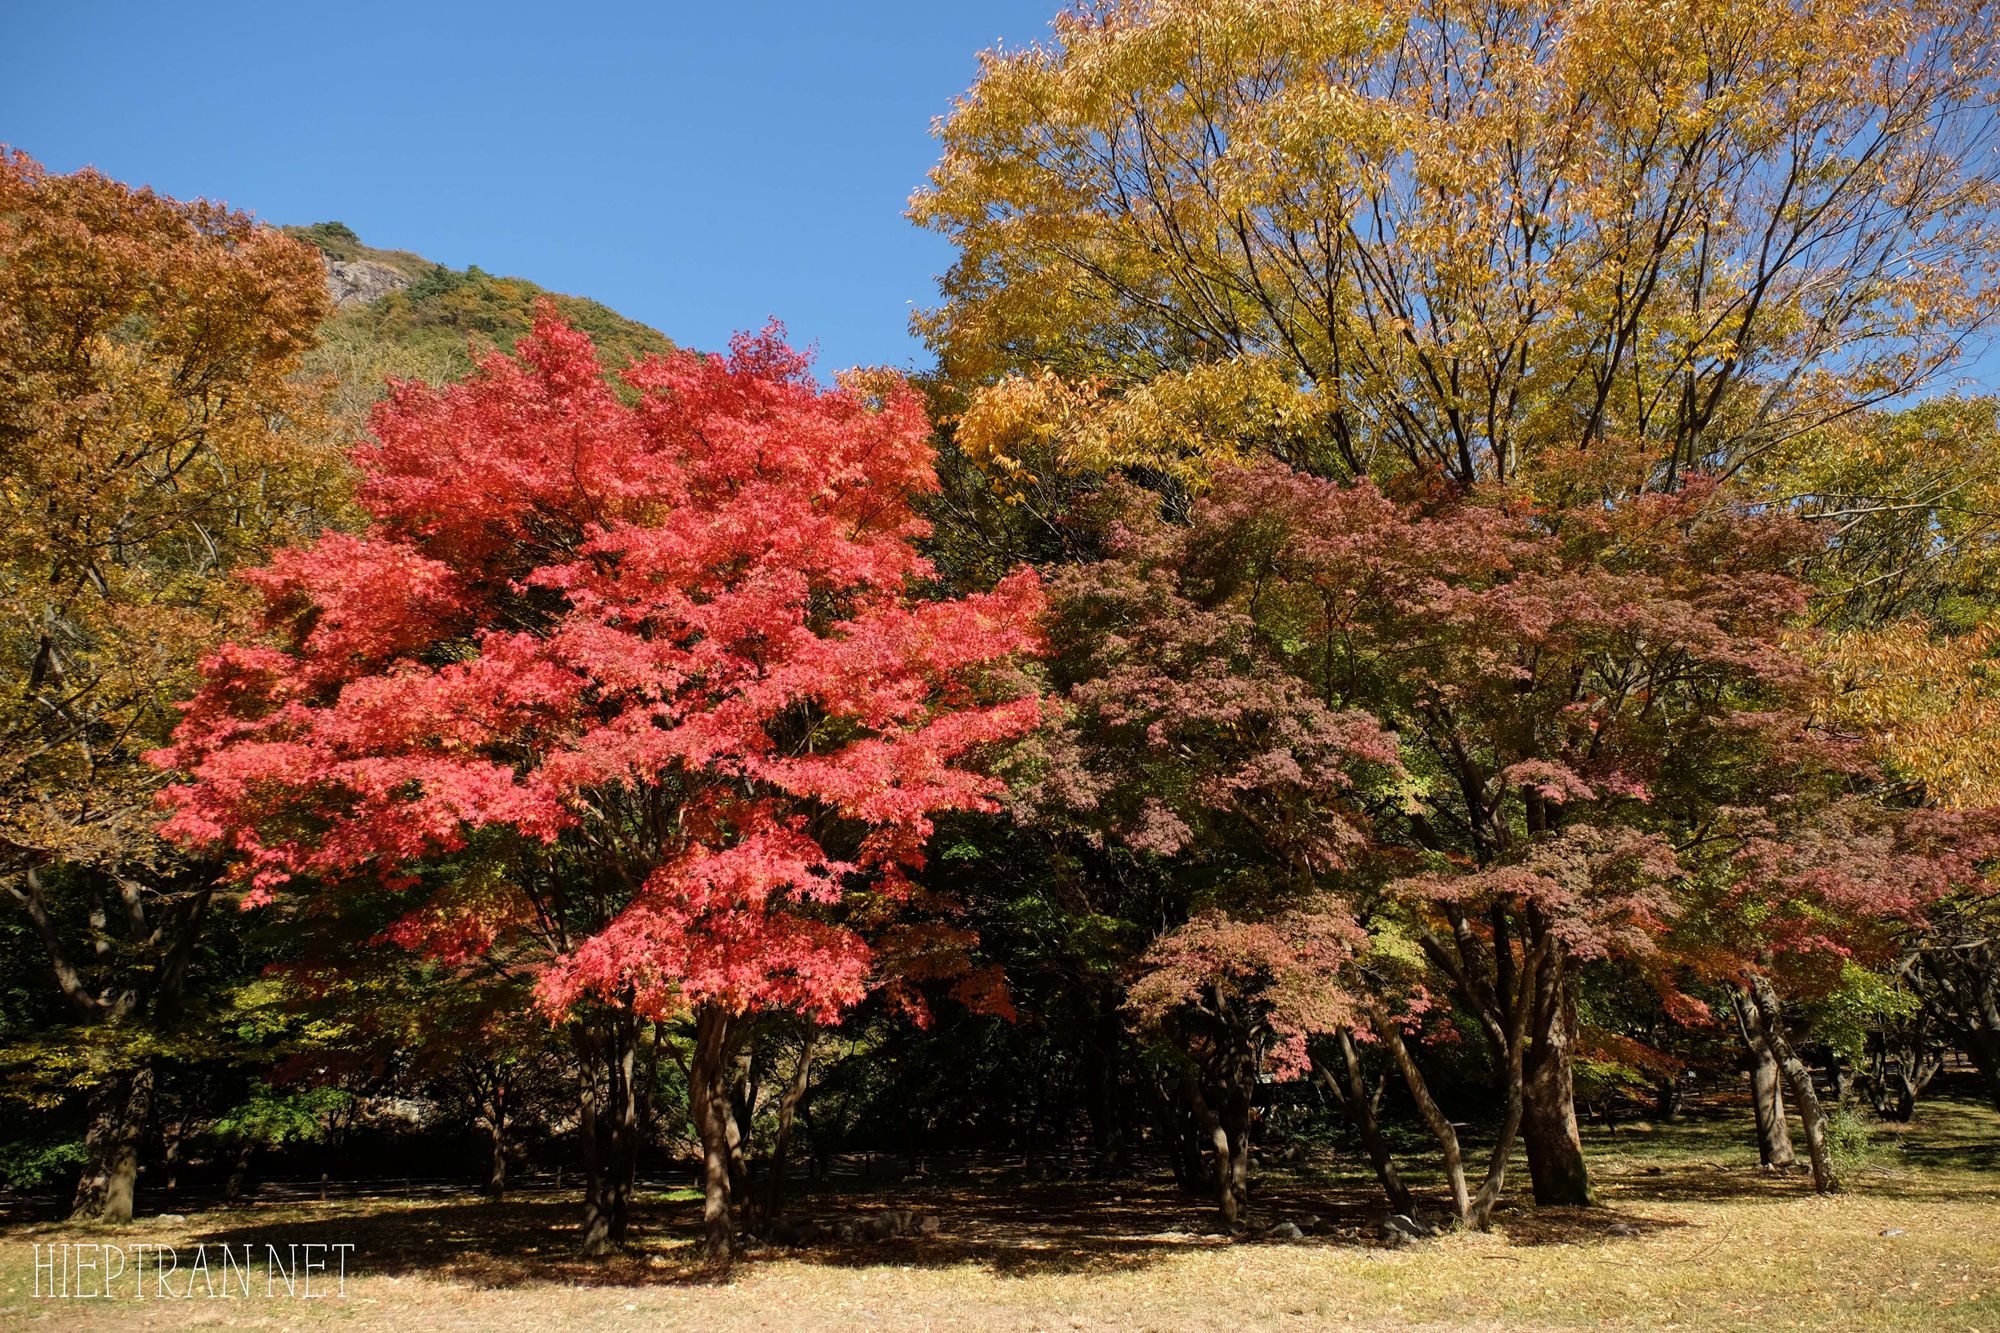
{"type": "Point", "coordinates": [697, 167]}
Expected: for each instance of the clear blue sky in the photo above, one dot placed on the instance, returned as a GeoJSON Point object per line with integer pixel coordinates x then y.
{"type": "Point", "coordinates": [699, 167]}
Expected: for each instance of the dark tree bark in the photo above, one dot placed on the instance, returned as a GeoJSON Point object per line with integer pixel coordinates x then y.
{"type": "Point", "coordinates": [1103, 1050]}
{"type": "Point", "coordinates": [1221, 1157]}
{"type": "Point", "coordinates": [714, 1118]}
{"type": "Point", "coordinates": [596, 1241]}
{"type": "Point", "coordinates": [239, 1170]}
{"type": "Point", "coordinates": [788, 1106]}
{"type": "Point", "coordinates": [743, 1087]}
{"type": "Point", "coordinates": [134, 978]}
{"type": "Point", "coordinates": [1351, 1094]}
{"type": "Point", "coordinates": [608, 1123]}
{"type": "Point", "coordinates": [1959, 982]}
{"type": "Point", "coordinates": [1476, 1209]}
{"type": "Point", "coordinates": [1428, 1111]}
{"type": "Point", "coordinates": [1177, 1133]}
{"type": "Point", "coordinates": [1548, 1120]}
{"type": "Point", "coordinates": [1672, 1093]}
{"type": "Point", "coordinates": [496, 1130]}
{"type": "Point", "coordinates": [119, 1108]}
{"type": "Point", "coordinates": [1513, 978]}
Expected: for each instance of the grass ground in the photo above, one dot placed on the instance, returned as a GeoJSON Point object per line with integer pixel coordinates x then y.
{"type": "Point", "coordinates": [1690, 1235]}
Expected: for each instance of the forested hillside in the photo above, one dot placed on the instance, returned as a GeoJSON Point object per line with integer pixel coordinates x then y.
{"type": "Point", "coordinates": [398, 315]}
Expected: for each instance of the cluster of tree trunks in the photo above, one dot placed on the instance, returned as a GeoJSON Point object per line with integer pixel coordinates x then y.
{"type": "Point", "coordinates": [607, 1123]}
{"type": "Point", "coordinates": [1776, 1069]}
{"type": "Point", "coordinates": [1958, 981]}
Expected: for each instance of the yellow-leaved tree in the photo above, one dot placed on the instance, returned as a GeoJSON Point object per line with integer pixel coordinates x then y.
{"type": "Point", "coordinates": [1459, 234]}
{"type": "Point", "coordinates": [153, 438]}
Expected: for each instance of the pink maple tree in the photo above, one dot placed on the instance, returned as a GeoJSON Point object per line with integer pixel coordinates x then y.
{"type": "Point", "coordinates": [634, 671]}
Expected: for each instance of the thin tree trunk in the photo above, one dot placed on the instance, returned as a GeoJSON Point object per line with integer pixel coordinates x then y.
{"type": "Point", "coordinates": [1176, 1135]}
{"type": "Point", "coordinates": [622, 1155]}
{"type": "Point", "coordinates": [109, 1183]}
{"type": "Point", "coordinates": [596, 1240]}
{"type": "Point", "coordinates": [496, 1129]}
{"type": "Point", "coordinates": [1985, 1056]}
{"type": "Point", "coordinates": [1799, 1079]}
{"type": "Point", "coordinates": [239, 1171]}
{"type": "Point", "coordinates": [1428, 1110]}
{"type": "Point", "coordinates": [1241, 1115]}
{"type": "Point", "coordinates": [1350, 1093]}
{"type": "Point", "coordinates": [1222, 1161]}
{"type": "Point", "coordinates": [1667, 1105]}
{"type": "Point", "coordinates": [788, 1106]}
{"type": "Point", "coordinates": [743, 1088]}
{"type": "Point", "coordinates": [1532, 966]}
{"type": "Point", "coordinates": [1103, 1045]}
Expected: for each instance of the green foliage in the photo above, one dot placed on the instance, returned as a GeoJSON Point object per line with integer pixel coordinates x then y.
{"type": "Point", "coordinates": [428, 330]}
{"type": "Point", "coordinates": [1850, 1138]}
{"type": "Point", "coordinates": [31, 1162]}
{"type": "Point", "coordinates": [336, 240]}
{"type": "Point", "coordinates": [270, 1118]}
{"type": "Point", "coordinates": [1858, 1005]}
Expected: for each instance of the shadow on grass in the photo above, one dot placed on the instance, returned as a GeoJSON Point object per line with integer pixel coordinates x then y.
{"type": "Point", "coordinates": [1008, 1229]}
{"type": "Point", "coordinates": [1014, 1226]}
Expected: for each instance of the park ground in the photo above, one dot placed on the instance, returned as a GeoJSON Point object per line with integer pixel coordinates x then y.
{"type": "Point", "coordinates": [1690, 1235]}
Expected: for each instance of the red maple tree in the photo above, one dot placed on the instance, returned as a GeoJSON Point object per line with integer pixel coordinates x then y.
{"type": "Point", "coordinates": [658, 643]}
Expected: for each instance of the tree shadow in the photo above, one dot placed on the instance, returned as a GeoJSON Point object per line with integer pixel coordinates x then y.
{"type": "Point", "coordinates": [1013, 1222]}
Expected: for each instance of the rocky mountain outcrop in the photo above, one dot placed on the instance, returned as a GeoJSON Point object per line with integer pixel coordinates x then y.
{"type": "Point", "coordinates": [355, 282]}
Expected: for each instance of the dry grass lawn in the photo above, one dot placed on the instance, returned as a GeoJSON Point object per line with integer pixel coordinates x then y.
{"type": "Point", "coordinates": [1690, 1236]}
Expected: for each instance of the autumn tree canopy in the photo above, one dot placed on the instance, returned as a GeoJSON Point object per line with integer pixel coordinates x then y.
{"type": "Point", "coordinates": [667, 645]}
{"type": "Point", "coordinates": [153, 440]}
{"type": "Point", "coordinates": [1381, 235]}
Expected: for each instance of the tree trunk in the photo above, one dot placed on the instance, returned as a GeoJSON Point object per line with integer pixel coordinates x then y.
{"type": "Point", "coordinates": [1767, 1087]}
{"type": "Point", "coordinates": [743, 1089]}
{"type": "Point", "coordinates": [1960, 985]}
{"type": "Point", "coordinates": [1221, 1158]}
{"type": "Point", "coordinates": [1351, 1095]}
{"type": "Point", "coordinates": [1176, 1134]}
{"type": "Point", "coordinates": [119, 1107]}
{"type": "Point", "coordinates": [608, 1122]}
{"type": "Point", "coordinates": [1983, 1048]}
{"type": "Point", "coordinates": [239, 1171]}
{"type": "Point", "coordinates": [596, 1241]}
{"type": "Point", "coordinates": [1428, 1110]}
{"type": "Point", "coordinates": [496, 1129]}
{"type": "Point", "coordinates": [1798, 1077]}
{"type": "Point", "coordinates": [1511, 1037]}
{"type": "Point", "coordinates": [1672, 1092]}
{"type": "Point", "coordinates": [714, 1118]}
{"type": "Point", "coordinates": [1548, 1118]}
{"type": "Point", "coordinates": [788, 1106]}
{"type": "Point", "coordinates": [1241, 1115]}
{"type": "Point", "coordinates": [1104, 1044]}
{"type": "Point", "coordinates": [622, 1155]}
{"type": "Point", "coordinates": [1488, 1198]}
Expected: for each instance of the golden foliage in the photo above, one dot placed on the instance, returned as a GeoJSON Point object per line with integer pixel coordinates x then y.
{"type": "Point", "coordinates": [1480, 229]}
{"type": "Point", "coordinates": [1932, 702]}
{"type": "Point", "coordinates": [153, 438]}
{"type": "Point", "coordinates": [1180, 422]}
{"type": "Point", "coordinates": [1910, 504]}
